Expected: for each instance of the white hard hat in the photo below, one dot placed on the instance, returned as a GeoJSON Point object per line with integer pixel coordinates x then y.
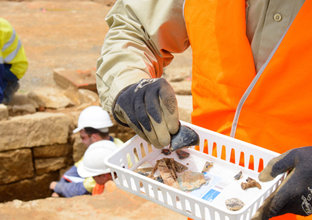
{"type": "Point", "coordinates": [92, 163]}
{"type": "Point", "coordinates": [94, 117]}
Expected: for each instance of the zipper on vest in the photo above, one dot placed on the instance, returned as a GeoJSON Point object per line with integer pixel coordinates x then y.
{"type": "Point", "coordinates": [251, 86]}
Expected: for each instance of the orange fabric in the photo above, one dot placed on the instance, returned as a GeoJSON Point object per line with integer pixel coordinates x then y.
{"type": "Point", "coordinates": [283, 217]}
{"type": "Point", "coordinates": [98, 189]}
{"type": "Point", "coordinates": [277, 113]}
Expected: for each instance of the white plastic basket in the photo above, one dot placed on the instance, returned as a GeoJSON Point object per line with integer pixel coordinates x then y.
{"type": "Point", "coordinates": [188, 204]}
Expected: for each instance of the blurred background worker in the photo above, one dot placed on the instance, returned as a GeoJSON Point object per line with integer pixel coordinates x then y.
{"type": "Point", "coordinates": [93, 126]}
{"type": "Point", "coordinates": [92, 164]}
{"type": "Point", "coordinates": [13, 61]}
{"type": "Point", "coordinates": [250, 79]}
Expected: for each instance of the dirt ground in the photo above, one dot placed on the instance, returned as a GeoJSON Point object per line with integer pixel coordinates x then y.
{"type": "Point", "coordinates": [60, 34]}
{"type": "Point", "coordinates": [55, 34]}
{"type": "Point", "coordinates": [67, 34]}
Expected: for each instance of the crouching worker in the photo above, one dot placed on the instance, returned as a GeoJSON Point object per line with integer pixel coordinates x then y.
{"type": "Point", "coordinates": [93, 126]}
{"type": "Point", "coordinates": [13, 61]}
{"type": "Point", "coordinates": [93, 165]}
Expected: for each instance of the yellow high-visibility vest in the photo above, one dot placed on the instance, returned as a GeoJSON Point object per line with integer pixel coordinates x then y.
{"type": "Point", "coordinates": [11, 49]}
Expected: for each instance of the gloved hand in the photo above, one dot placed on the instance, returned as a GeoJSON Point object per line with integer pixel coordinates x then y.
{"type": "Point", "coordinates": [150, 108]}
{"type": "Point", "coordinates": [294, 195]}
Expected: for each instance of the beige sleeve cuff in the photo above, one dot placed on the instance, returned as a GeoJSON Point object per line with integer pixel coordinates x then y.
{"type": "Point", "coordinates": [139, 44]}
{"type": "Point", "coordinates": [108, 90]}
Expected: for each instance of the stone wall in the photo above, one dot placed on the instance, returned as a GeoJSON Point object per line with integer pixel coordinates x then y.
{"type": "Point", "coordinates": [36, 149]}
{"type": "Point", "coordinates": [37, 144]}
{"type": "Point", "coordinates": [33, 150]}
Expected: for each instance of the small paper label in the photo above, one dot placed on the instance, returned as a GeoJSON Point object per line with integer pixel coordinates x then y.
{"type": "Point", "coordinates": [211, 189]}
{"type": "Point", "coordinates": [211, 195]}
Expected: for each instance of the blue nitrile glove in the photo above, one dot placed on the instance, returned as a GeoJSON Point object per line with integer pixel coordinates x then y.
{"type": "Point", "coordinates": [150, 108]}
{"type": "Point", "coordinates": [294, 195]}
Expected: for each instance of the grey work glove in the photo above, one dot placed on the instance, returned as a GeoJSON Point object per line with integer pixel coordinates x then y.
{"type": "Point", "coordinates": [150, 108]}
{"type": "Point", "coordinates": [294, 195]}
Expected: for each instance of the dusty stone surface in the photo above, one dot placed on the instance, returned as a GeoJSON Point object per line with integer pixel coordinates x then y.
{"type": "Point", "coordinates": [21, 104]}
{"type": "Point", "coordinates": [113, 204]}
{"type": "Point", "coordinates": [23, 109]}
{"type": "Point", "coordinates": [56, 150]}
{"type": "Point", "coordinates": [57, 34]}
{"type": "Point", "coordinates": [77, 79]}
{"type": "Point", "coordinates": [27, 189]}
{"type": "Point", "coordinates": [4, 112]}
{"type": "Point", "coordinates": [49, 97]}
{"type": "Point", "coordinates": [78, 147]}
{"type": "Point", "coordinates": [15, 165]}
{"type": "Point", "coordinates": [50, 164]}
{"type": "Point", "coordinates": [32, 130]}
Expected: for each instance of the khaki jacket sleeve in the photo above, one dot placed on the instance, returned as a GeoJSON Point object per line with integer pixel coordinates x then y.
{"type": "Point", "coordinates": [142, 36]}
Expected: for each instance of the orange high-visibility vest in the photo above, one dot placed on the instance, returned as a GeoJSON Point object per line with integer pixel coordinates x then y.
{"type": "Point", "coordinates": [277, 113]}
{"type": "Point", "coordinates": [98, 189]}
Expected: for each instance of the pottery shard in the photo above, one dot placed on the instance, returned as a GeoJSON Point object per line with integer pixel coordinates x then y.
{"type": "Point", "coordinates": [250, 182]}
{"type": "Point", "coordinates": [234, 204]}
{"type": "Point", "coordinates": [168, 169]}
{"type": "Point", "coordinates": [167, 174]}
{"type": "Point", "coordinates": [207, 166]}
{"type": "Point", "coordinates": [189, 180]}
{"type": "Point", "coordinates": [182, 154]}
{"type": "Point", "coordinates": [238, 175]}
{"type": "Point", "coordinates": [180, 167]}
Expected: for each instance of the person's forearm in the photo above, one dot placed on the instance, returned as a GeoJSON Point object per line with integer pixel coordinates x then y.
{"type": "Point", "coordinates": [70, 189]}
{"type": "Point", "coordinates": [139, 44]}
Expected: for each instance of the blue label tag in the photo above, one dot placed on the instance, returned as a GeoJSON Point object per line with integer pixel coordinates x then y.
{"type": "Point", "coordinates": [211, 195]}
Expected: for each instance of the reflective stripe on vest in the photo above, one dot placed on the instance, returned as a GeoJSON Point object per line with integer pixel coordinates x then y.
{"type": "Point", "coordinates": [250, 87]}
{"type": "Point", "coordinates": [12, 51]}
{"type": "Point", "coordinates": [10, 41]}
{"type": "Point", "coordinates": [277, 112]}
{"type": "Point", "coordinates": [12, 55]}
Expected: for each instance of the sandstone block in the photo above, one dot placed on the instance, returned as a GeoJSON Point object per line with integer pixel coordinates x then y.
{"type": "Point", "coordinates": [22, 109]}
{"type": "Point", "coordinates": [21, 104]}
{"type": "Point", "coordinates": [75, 78]}
{"type": "Point", "coordinates": [28, 189]}
{"type": "Point", "coordinates": [49, 97]}
{"type": "Point", "coordinates": [32, 130]}
{"type": "Point", "coordinates": [49, 165]}
{"type": "Point", "coordinates": [15, 165]}
{"type": "Point", "coordinates": [78, 147]}
{"type": "Point", "coordinates": [88, 96]}
{"type": "Point", "coordinates": [4, 113]}
{"type": "Point", "coordinates": [113, 204]}
{"type": "Point", "coordinates": [22, 99]}
{"type": "Point", "coordinates": [57, 150]}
